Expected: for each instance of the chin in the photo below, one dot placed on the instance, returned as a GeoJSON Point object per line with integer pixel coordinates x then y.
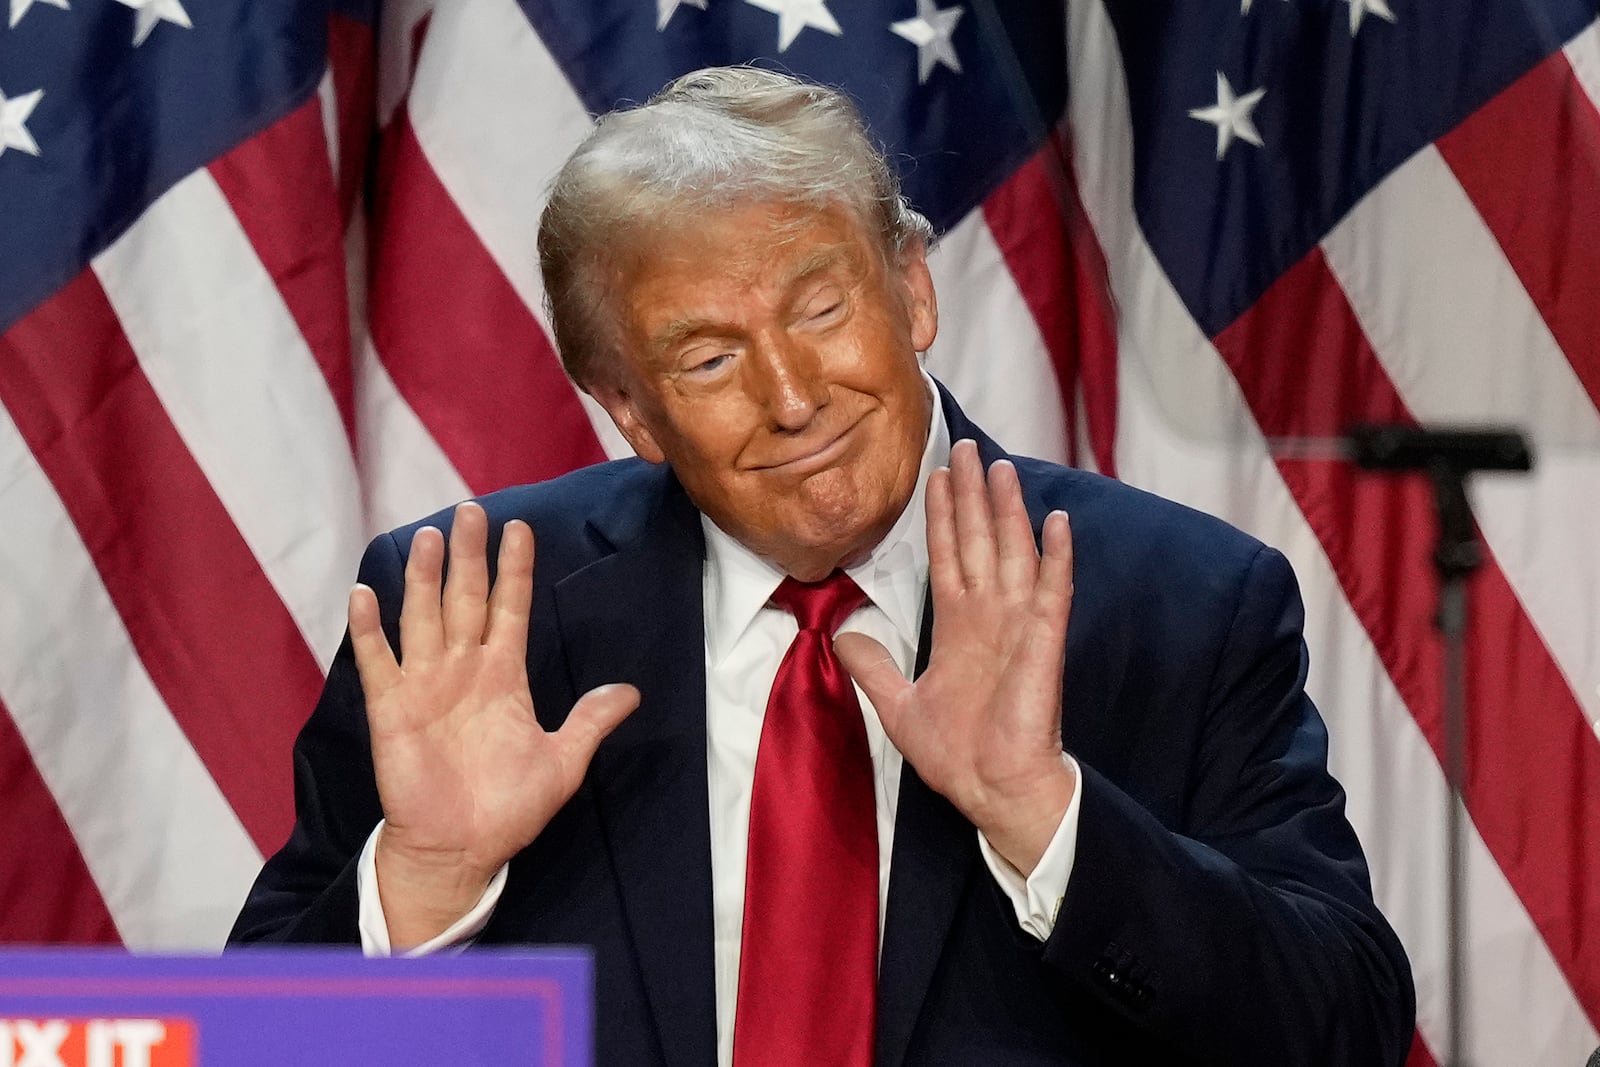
{"type": "Point", "coordinates": [832, 519]}
{"type": "Point", "coordinates": [840, 536]}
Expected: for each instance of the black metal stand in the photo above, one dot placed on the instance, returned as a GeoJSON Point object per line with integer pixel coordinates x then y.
{"type": "Point", "coordinates": [1448, 456]}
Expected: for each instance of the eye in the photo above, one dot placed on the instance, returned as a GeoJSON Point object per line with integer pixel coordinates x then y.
{"type": "Point", "coordinates": [823, 308]}
{"type": "Point", "coordinates": [702, 364]}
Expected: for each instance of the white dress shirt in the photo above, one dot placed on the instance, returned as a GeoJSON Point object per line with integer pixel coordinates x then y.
{"type": "Point", "coordinates": [745, 639]}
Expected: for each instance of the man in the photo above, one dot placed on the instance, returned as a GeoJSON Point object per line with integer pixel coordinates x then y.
{"type": "Point", "coordinates": [1114, 843]}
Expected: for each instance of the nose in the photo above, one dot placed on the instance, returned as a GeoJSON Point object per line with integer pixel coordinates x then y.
{"type": "Point", "coordinates": [790, 383]}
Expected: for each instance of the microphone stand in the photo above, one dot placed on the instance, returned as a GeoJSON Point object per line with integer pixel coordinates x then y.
{"type": "Point", "coordinates": [1448, 456]}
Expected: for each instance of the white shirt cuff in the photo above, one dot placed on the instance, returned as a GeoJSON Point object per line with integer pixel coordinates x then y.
{"type": "Point", "coordinates": [375, 928]}
{"type": "Point", "coordinates": [1038, 897]}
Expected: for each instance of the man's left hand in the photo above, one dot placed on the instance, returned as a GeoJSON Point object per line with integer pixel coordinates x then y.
{"type": "Point", "coordinates": [982, 725]}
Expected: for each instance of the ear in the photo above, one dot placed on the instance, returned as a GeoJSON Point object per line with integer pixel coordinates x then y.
{"type": "Point", "coordinates": [624, 411]}
{"type": "Point", "coordinates": [921, 301]}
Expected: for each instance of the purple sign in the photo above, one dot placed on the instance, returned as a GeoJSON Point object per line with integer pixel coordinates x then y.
{"type": "Point", "coordinates": [268, 1007]}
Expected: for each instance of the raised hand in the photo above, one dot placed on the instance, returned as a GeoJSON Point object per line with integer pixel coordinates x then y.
{"type": "Point", "coordinates": [466, 775]}
{"type": "Point", "coordinates": [982, 725]}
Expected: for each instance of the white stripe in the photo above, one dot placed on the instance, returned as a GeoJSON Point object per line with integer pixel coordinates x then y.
{"type": "Point", "coordinates": [1083, 440]}
{"type": "Point", "coordinates": [328, 101]}
{"type": "Point", "coordinates": [168, 854]}
{"type": "Point", "coordinates": [496, 139]}
{"type": "Point", "coordinates": [1462, 341]}
{"type": "Point", "coordinates": [1522, 1007]}
{"type": "Point", "coordinates": [1583, 52]}
{"type": "Point", "coordinates": [242, 388]}
{"type": "Point", "coordinates": [1483, 351]}
{"type": "Point", "coordinates": [405, 474]}
{"type": "Point", "coordinates": [989, 351]}
{"type": "Point", "coordinates": [397, 41]}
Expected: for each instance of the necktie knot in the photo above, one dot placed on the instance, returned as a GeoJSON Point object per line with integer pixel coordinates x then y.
{"type": "Point", "coordinates": [820, 605]}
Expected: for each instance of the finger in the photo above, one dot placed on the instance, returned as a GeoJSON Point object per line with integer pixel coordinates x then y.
{"type": "Point", "coordinates": [466, 585]}
{"type": "Point", "coordinates": [1019, 558]}
{"type": "Point", "coordinates": [375, 661]}
{"type": "Point", "coordinates": [420, 636]}
{"type": "Point", "coordinates": [975, 545]}
{"type": "Point", "coordinates": [874, 670]}
{"type": "Point", "coordinates": [591, 720]}
{"type": "Point", "coordinates": [512, 598]}
{"type": "Point", "coordinates": [944, 568]}
{"type": "Point", "coordinates": [1052, 597]}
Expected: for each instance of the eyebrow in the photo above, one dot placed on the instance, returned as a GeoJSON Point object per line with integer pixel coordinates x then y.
{"type": "Point", "coordinates": [816, 262]}
{"type": "Point", "coordinates": [675, 331]}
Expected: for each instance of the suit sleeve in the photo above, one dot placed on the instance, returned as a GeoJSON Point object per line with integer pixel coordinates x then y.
{"type": "Point", "coordinates": [307, 892]}
{"type": "Point", "coordinates": [1248, 933]}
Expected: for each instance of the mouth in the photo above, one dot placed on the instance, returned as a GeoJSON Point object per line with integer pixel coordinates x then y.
{"type": "Point", "coordinates": [815, 457]}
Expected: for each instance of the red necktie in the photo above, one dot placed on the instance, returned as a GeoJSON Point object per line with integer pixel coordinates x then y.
{"type": "Point", "coordinates": [808, 961]}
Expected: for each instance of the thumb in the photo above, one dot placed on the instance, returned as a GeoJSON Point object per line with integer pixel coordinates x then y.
{"type": "Point", "coordinates": [592, 718]}
{"type": "Point", "coordinates": [874, 670]}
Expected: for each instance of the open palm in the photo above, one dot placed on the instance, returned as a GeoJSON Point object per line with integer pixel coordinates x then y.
{"type": "Point", "coordinates": [466, 775]}
{"type": "Point", "coordinates": [982, 725]}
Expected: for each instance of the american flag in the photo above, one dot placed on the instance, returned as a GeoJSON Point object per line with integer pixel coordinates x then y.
{"type": "Point", "coordinates": [268, 286]}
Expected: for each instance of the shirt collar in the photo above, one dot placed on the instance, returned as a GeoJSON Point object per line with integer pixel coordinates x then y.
{"type": "Point", "coordinates": [739, 583]}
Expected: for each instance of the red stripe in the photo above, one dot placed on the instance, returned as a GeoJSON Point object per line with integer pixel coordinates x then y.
{"type": "Point", "coordinates": [1530, 162]}
{"type": "Point", "coordinates": [46, 891]}
{"type": "Point", "coordinates": [1419, 1055]}
{"type": "Point", "coordinates": [1533, 784]}
{"type": "Point", "coordinates": [462, 347]}
{"type": "Point", "coordinates": [280, 186]}
{"type": "Point", "coordinates": [352, 59]}
{"type": "Point", "coordinates": [215, 639]}
{"type": "Point", "coordinates": [1038, 222]}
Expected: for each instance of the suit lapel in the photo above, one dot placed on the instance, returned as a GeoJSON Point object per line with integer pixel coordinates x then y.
{"type": "Point", "coordinates": [636, 616]}
{"type": "Point", "coordinates": [935, 853]}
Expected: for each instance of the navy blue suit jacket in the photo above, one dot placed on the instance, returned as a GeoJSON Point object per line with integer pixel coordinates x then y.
{"type": "Point", "coordinates": [1219, 910]}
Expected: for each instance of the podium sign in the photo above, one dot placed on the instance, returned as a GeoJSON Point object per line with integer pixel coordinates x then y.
{"type": "Point", "coordinates": [262, 1007]}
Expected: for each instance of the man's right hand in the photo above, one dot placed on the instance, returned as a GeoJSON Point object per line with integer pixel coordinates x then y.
{"type": "Point", "coordinates": [466, 775]}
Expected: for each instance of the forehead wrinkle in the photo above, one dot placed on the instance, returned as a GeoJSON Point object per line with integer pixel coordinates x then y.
{"type": "Point", "coordinates": [819, 261]}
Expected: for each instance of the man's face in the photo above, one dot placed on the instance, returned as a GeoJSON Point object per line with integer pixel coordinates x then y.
{"type": "Point", "coordinates": [769, 355]}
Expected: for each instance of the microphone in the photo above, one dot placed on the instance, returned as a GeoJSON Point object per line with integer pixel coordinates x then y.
{"type": "Point", "coordinates": [1594, 1059]}
{"type": "Point", "coordinates": [1397, 447]}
